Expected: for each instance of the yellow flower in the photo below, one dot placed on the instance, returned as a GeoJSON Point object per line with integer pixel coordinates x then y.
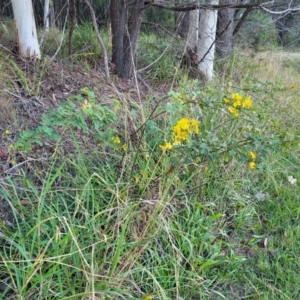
{"type": "Point", "coordinates": [195, 126]}
{"type": "Point", "coordinates": [183, 124]}
{"type": "Point", "coordinates": [237, 103]}
{"type": "Point", "coordinates": [237, 97]}
{"type": "Point", "coordinates": [177, 141]}
{"type": "Point", "coordinates": [116, 140]}
{"type": "Point", "coordinates": [6, 132]}
{"type": "Point", "coordinates": [166, 146]}
{"type": "Point", "coordinates": [180, 133]}
{"type": "Point", "coordinates": [226, 100]}
{"type": "Point", "coordinates": [86, 105]}
{"type": "Point", "coordinates": [252, 165]}
{"type": "Point", "coordinates": [147, 297]}
{"type": "Point", "coordinates": [247, 102]}
{"type": "Point", "coordinates": [124, 147]}
{"type": "Point", "coordinates": [233, 110]}
{"type": "Point", "coordinates": [252, 155]}
{"type": "Point", "coordinates": [13, 162]}
{"type": "Point", "coordinates": [294, 86]}
{"type": "Point", "coordinates": [183, 128]}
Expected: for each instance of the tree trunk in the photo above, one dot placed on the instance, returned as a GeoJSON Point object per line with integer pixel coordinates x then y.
{"type": "Point", "coordinates": [125, 31]}
{"type": "Point", "coordinates": [193, 31]}
{"type": "Point", "coordinates": [224, 41]}
{"type": "Point", "coordinates": [60, 11]}
{"type": "Point", "coordinates": [26, 28]}
{"type": "Point", "coordinates": [118, 10]}
{"type": "Point", "coordinates": [182, 23]}
{"type": "Point", "coordinates": [46, 15]}
{"type": "Point", "coordinates": [206, 42]}
{"type": "Point", "coordinates": [131, 37]}
{"type": "Point", "coordinates": [72, 19]}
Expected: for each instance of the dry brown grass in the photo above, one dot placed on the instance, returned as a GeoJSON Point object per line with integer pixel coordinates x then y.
{"type": "Point", "coordinates": [8, 31]}
{"type": "Point", "coordinates": [279, 66]}
{"type": "Point", "coordinates": [7, 111]}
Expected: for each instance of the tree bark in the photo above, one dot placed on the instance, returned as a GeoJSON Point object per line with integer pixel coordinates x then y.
{"type": "Point", "coordinates": [26, 28]}
{"type": "Point", "coordinates": [118, 10]}
{"type": "Point", "coordinates": [125, 30]}
{"type": "Point", "coordinates": [72, 14]}
{"type": "Point", "coordinates": [46, 15]}
{"type": "Point", "coordinates": [182, 23]}
{"type": "Point", "coordinates": [130, 39]}
{"type": "Point", "coordinates": [224, 45]}
{"type": "Point", "coordinates": [206, 42]}
{"type": "Point", "coordinates": [193, 31]}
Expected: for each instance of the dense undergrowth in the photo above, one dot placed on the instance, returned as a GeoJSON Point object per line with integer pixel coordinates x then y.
{"type": "Point", "coordinates": [193, 197]}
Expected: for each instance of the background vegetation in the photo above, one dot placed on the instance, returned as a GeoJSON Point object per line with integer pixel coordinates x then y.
{"type": "Point", "coordinates": [168, 190]}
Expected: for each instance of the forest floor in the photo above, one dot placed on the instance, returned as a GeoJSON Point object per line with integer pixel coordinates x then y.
{"type": "Point", "coordinates": [31, 88]}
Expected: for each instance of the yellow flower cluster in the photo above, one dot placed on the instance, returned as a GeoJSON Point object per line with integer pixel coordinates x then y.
{"type": "Point", "coordinates": [166, 146]}
{"type": "Point", "coordinates": [86, 105]}
{"type": "Point", "coordinates": [237, 101]}
{"type": "Point", "coordinates": [252, 164]}
{"type": "Point", "coordinates": [116, 140]}
{"type": "Point", "coordinates": [182, 130]}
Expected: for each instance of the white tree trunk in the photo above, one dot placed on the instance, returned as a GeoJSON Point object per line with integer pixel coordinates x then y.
{"type": "Point", "coordinates": [46, 15]}
{"type": "Point", "coordinates": [26, 28]}
{"type": "Point", "coordinates": [193, 32]}
{"type": "Point", "coordinates": [206, 41]}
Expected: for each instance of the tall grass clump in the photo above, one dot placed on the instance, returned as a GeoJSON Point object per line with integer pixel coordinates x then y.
{"type": "Point", "coordinates": [160, 49]}
{"type": "Point", "coordinates": [85, 44]}
{"type": "Point", "coordinates": [197, 199]}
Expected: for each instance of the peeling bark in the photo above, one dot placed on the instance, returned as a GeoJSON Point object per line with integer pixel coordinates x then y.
{"type": "Point", "coordinates": [26, 29]}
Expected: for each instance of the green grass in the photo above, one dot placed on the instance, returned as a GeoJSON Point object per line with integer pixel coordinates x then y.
{"type": "Point", "coordinates": [103, 223]}
{"type": "Point", "coordinates": [85, 234]}
{"type": "Point", "coordinates": [151, 48]}
{"type": "Point", "coordinates": [85, 44]}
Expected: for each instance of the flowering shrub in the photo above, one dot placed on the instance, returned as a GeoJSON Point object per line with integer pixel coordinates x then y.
{"type": "Point", "coordinates": [182, 132]}
{"type": "Point", "coordinates": [221, 138]}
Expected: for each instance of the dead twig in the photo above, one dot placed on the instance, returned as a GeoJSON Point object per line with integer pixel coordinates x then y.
{"type": "Point", "coordinates": [105, 57]}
